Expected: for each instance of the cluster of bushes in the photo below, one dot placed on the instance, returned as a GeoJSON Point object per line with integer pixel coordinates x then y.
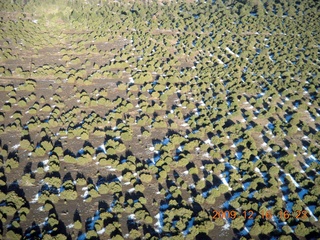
{"type": "Point", "coordinates": [234, 83]}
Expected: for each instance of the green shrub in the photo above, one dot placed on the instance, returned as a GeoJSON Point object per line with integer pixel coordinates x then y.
{"type": "Point", "coordinates": [54, 165]}
{"type": "Point", "coordinates": [22, 103]}
{"type": "Point", "coordinates": [27, 179]}
{"type": "Point", "coordinates": [9, 88]}
{"type": "Point", "coordinates": [53, 180]}
{"type": "Point", "coordinates": [69, 159]}
{"type": "Point", "coordinates": [84, 159]}
{"type": "Point", "coordinates": [12, 163]}
{"type": "Point", "coordinates": [46, 108]}
{"type": "Point", "coordinates": [134, 234]}
{"type": "Point", "coordinates": [301, 230]}
{"type": "Point", "coordinates": [13, 234]}
{"type": "Point", "coordinates": [146, 177]}
{"type": "Point", "coordinates": [81, 181]}
{"type": "Point", "coordinates": [29, 87]}
{"type": "Point", "coordinates": [256, 229]}
{"type": "Point", "coordinates": [122, 87]}
{"type": "Point", "coordinates": [126, 136]}
{"type": "Point", "coordinates": [6, 107]}
{"type": "Point", "coordinates": [48, 206]}
{"type": "Point", "coordinates": [77, 225]}
{"type": "Point", "coordinates": [142, 77]}
{"type": "Point", "coordinates": [25, 144]}
{"type": "Point", "coordinates": [46, 145]}
{"type": "Point", "coordinates": [69, 194]}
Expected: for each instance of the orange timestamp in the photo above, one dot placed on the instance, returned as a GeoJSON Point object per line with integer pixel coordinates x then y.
{"type": "Point", "coordinates": [266, 214]}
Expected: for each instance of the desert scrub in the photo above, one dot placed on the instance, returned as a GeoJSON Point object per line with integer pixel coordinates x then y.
{"type": "Point", "coordinates": [53, 179]}
{"type": "Point", "coordinates": [46, 108]}
{"type": "Point", "coordinates": [159, 124]}
{"type": "Point", "coordinates": [54, 164]}
{"type": "Point", "coordinates": [11, 163]}
{"type": "Point", "coordinates": [6, 107]}
{"type": "Point", "coordinates": [146, 177]}
{"type": "Point", "coordinates": [77, 225]}
{"type": "Point", "coordinates": [28, 179]}
{"type": "Point", "coordinates": [104, 188]}
{"type": "Point", "coordinates": [46, 145]}
{"type": "Point", "coordinates": [46, 195]}
{"type": "Point", "coordinates": [69, 194]}
{"type": "Point", "coordinates": [125, 136]}
{"type": "Point", "coordinates": [107, 162]}
{"type": "Point", "coordinates": [12, 199]}
{"type": "Point", "coordinates": [122, 86]}
{"type": "Point", "coordinates": [81, 181]}
{"type": "Point", "coordinates": [2, 179]}
{"type": "Point", "coordinates": [93, 193]}
{"type": "Point", "coordinates": [142, 77]}
{"type": "Point", "coordinates": [30, 85]}
{"type": "Point", "coordinates": [84, 159]}
{"type": "Point", "coordinates": [22, 103]}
